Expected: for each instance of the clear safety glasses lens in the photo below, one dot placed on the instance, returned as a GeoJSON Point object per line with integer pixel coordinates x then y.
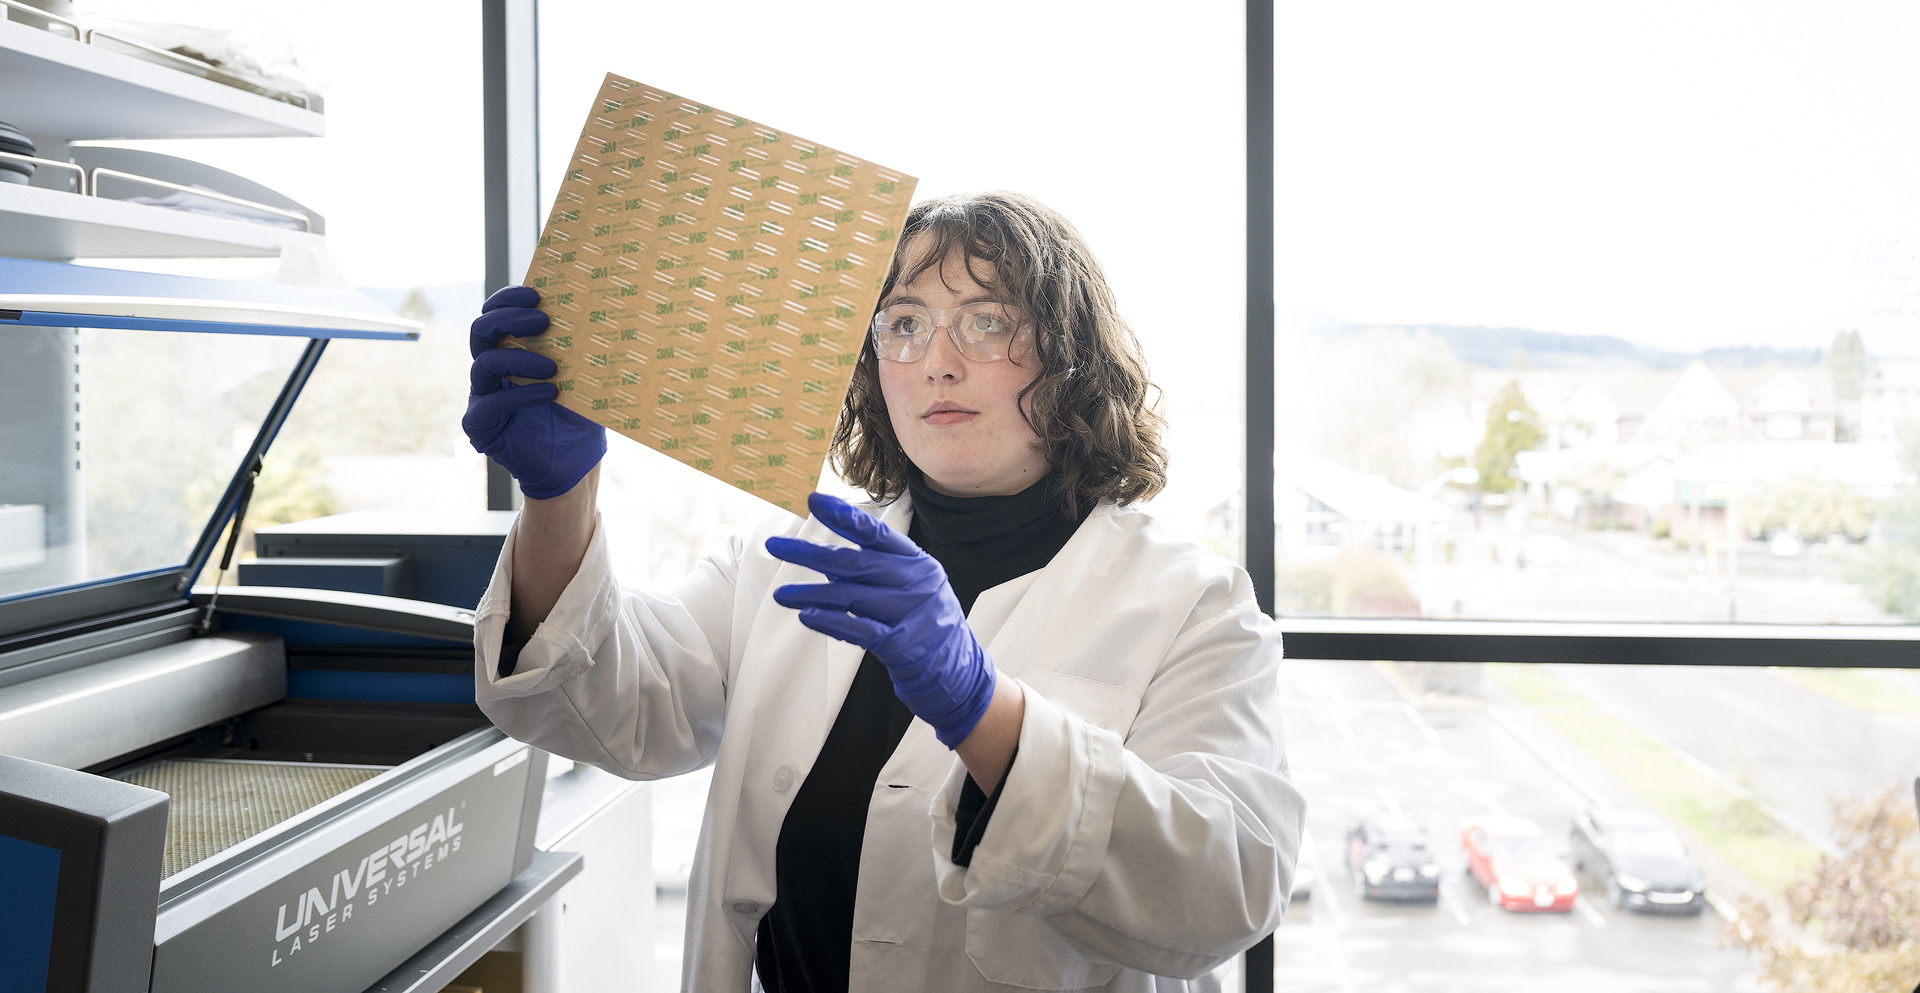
{"type": "Point", "coordinates": [982, 332]}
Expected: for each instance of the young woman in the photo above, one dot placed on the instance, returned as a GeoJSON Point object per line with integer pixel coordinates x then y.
{"type": "Point", "coordinates": [996, 729]}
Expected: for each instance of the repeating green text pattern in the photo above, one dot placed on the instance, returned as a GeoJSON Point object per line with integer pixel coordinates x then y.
{"type": "Point", "coordinates": [710, 281]}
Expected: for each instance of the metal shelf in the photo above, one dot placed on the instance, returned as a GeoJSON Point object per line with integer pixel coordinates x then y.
{"type": "Point", "coordinates": [54, 86]}
{"type": "Point", "coordinates": [436, 965]}
{"type": "Point", "coordinates": [53, 225]}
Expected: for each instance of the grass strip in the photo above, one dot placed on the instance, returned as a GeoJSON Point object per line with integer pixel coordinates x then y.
{"type": "Point", "coordinates": [1870, 690]}
{"type": "Point", "coordinates": [1737, 828]}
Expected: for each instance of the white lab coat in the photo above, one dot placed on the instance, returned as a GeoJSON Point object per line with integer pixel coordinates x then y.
{"type": "Point", "coordinates": [1147, 829]}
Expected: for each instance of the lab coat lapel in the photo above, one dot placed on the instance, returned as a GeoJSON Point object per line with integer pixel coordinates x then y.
{"type": "Point", "coordinates": [843, 659]}
{"type": "Point", "coordinates": [801, 678]}
{"type": "Point", "coordinates": [816, 690]}
{"type": "Point", "coordinates": [1009, 618]}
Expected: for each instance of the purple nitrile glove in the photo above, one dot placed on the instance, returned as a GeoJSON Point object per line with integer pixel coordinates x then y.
{"type": "Point", "coordinates": [892, 599]}
{"type": "Point", "coordinates": [547, 447]}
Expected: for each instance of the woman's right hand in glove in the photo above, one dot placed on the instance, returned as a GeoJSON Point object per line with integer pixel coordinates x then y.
{"type": "Point", "coordinates": [547, 447]}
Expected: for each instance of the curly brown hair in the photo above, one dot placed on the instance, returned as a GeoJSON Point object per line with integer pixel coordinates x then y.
{"type": "Point", "coordinates": [1089, 405]}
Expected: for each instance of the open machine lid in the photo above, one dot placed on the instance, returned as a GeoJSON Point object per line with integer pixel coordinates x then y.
{"type": "Point", "coordinates": [125, 445]}
{"type": "Point", "coordinates": [65, 295]}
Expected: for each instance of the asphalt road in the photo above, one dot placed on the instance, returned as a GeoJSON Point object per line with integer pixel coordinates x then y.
{"type": "Point", "coordinates": [1792, 748]}
{"type": "Point", "coordinates": [1358, 748]}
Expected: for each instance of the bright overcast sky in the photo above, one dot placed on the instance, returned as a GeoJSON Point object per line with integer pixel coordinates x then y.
{"type": "Point", "coordinates": [1686, 174]}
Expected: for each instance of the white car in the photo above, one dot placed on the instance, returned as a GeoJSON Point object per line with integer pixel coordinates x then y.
{"type": "Point", "coordinates": [1307, 872]}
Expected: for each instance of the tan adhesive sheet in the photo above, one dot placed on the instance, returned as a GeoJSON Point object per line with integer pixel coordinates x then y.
{"type": "Point", "coordinates": [710, 281]}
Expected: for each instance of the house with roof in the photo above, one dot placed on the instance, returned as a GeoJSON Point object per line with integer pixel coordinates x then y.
{"type": "Point", "coordinates": [1710, 438]}
{"type": "Point", "coordinates": [1787, 406]}
{"type": "Point", "coordinates": [1697, 411]}
{"type": "Point", "coordinates": [1328, 506]}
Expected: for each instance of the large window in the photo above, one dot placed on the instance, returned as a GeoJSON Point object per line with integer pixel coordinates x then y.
{"type": "Point", "coordinates": [1054, 109]}
{"type": "Point", "coordinates": [1599, 315]}
{"type": "Point", "coordinates": [1126, 120]}
{"type": "Point", "coordinates": [397, 178]}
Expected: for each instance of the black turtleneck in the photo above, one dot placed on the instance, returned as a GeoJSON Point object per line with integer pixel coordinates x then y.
{"type": "Point", "coordinates": [806, 936]}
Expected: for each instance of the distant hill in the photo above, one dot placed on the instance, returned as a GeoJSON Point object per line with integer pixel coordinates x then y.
{"type": "Point", "coordinates": [1499, 348]}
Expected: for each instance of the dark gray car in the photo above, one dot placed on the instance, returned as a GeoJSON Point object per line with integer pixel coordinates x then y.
{"type": "Point", "coordinates": [1388, 859]}
{"type": "Point", "coordinates": [1642, 864]}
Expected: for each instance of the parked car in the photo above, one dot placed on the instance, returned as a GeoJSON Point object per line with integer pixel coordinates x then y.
{"type": "Point", "coordinates": [1639, 859]}
{"type": "Point", "coordinates": [1307, 870]}
{"type": "Point", "coordinates": [1388, 859]}
{"type": "Point", "coordinates": [1512, 858]}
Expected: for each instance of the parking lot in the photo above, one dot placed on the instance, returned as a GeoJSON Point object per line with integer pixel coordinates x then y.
{"type": "Point", "coordinates": [1359, 747]}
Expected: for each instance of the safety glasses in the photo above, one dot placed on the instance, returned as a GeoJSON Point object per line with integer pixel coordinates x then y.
{"type": "Point", "coordinates": [983, 332]}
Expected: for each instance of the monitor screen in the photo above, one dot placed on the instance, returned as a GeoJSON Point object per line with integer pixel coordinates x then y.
{"type": "Point", "coordinates": [32, 873]}
{"type": "Point", "coordinates": [79, 879]}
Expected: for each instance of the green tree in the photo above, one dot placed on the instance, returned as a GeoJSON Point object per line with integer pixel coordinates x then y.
{"type": "Point", "coordinates": [1811, 508]}
{"type": "Point", "coordinates": [1512, 427]}
{"type": "Point", "coordinates": [1854, 918]}
{"type": "Point", "coordinates": [1847, 364]}
{"type": "Point", "coordinates": [416, 307]}
{"type": "Point", "coordinates": [291, 487]}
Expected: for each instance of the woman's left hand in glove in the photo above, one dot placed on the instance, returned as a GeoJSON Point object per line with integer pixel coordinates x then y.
{"type": "Point", "coordinates": [891, 598]}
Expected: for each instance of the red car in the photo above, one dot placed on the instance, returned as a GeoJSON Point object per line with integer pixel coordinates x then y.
{"type": "Point", "coordinates": [1511, 857]}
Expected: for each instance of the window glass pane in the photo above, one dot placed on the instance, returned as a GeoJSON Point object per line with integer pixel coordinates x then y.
{"type": "Point", "coordinates": [1598, 315]}
{"type": "Point", "coordinates": [96, 485]}
{"type": "Point", "coordinates": [1672, 805]}
{"type": "Point", "coordinates": [1063, 123]}
{"type": "Point", "coordinates": [1129, 123]}
{"type": "Point", "coordinates": [397, 179]}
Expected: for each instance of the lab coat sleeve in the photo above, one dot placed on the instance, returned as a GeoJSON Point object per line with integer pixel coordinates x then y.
{"type": "Point", "coordinates": [1168, 852]}
{"type": "Point", "coordinates": [634, 683]}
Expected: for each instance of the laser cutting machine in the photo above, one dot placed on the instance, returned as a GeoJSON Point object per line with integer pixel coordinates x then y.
{"type": "Point", "coordinates": [212, 785]}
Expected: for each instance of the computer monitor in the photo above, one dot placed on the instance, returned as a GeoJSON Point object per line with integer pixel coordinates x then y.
{"type": "Point", "coordinates": [80, 855]}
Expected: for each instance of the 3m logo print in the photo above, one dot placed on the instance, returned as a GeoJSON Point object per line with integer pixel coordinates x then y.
{"type": "Point", "coordinates": [723, 208]}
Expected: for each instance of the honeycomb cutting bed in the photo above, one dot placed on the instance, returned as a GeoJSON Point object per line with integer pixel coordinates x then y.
{"type": "Point", "coordinates": [218, 803]}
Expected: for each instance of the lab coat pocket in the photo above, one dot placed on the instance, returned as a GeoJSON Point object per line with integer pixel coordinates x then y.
{"type": "Point", "coordinates": [1020, 951]}
{"type": "Point", "coordinates": [1104, 705]}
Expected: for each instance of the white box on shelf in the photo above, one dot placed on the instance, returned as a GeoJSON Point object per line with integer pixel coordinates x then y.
{"type": "Point", "coordinates": [62, 88]}
{"type": "Point", "coordinates": [23, 535]}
